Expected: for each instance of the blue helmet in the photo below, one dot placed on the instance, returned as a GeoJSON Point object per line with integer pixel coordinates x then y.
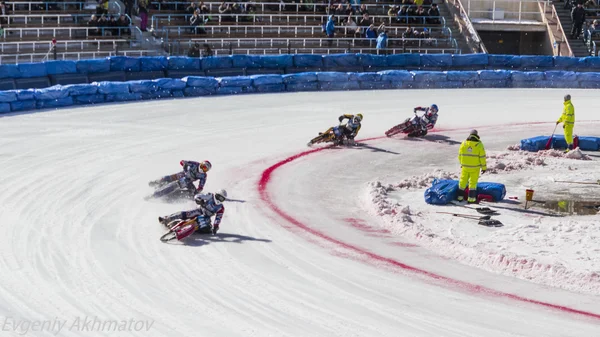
{"type": "Point", "coordinates": [434, 107]}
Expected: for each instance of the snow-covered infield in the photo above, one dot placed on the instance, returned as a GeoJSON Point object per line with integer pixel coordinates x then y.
{"type": "Point", "coordinates": [540, 245]}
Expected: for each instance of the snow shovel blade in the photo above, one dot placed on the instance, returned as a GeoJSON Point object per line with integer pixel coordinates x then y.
{"type": "Point", "coordinates": [486, 210]}
{"type": "Point", "coordinates": [491, 223]}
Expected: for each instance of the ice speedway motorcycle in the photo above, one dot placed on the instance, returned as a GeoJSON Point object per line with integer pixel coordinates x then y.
{"type": "Point", "coordinates": [410, 127]}
{"type": "Point", "coordinates": [333, 135]}
{"type": "Point", "coordinates": [181, 229]}
{"type": "Point", "coordinates": [182, 188]}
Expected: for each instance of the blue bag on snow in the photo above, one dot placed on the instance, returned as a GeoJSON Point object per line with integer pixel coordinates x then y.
{"type": "Point", "coordinates": [441, 192]}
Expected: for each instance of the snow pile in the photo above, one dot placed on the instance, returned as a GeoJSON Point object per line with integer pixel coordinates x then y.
{"type": "Point", "coordinates": [556, 252]}
{"type": "Point", "coordinates": [521, 160]}
{"type": "Point", "coordinates": [426, 179]}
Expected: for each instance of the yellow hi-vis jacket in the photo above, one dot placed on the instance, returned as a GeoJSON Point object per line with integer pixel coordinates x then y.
{"type": "Point", "coordinates": [568, 115]}
{"type": "Point", "coordinates": [471, 154]}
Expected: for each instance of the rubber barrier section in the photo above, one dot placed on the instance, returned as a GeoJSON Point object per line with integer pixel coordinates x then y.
{"type": "Point", "coordinates": [443, 191]}
{"type": "Point", "coordinates": [123, 78]}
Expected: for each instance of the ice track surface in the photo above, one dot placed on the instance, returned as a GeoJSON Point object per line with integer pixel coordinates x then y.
{"type": "Point", "coordinates": [78, 240]}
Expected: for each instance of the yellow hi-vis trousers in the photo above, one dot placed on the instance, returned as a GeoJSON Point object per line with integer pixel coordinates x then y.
{"type": "Point", "coordinates": [471, 178]}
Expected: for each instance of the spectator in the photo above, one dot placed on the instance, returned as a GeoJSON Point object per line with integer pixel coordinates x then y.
{"type": "Point", "coordinates": [1, 32]}
{"type": "Point", "coordinates": [123, 22]}
{"type": "Point", "coordinates": [3, 12]}
{"type": "Point", "coordinates": [403, 14]}
{"type": "Point", "coordinates": [351, 27]}
{"type": "Point", "coordinates": [129, 7]}
{"type": "Point", "coordinates": [578, 17]}
{"type": "Point", "coordinates": [427, 2]}
{"type": "Point", "coordinates": [382, 41]}
{"type": "Point", "coordinates": [191, 9]}
{"type": "Point", "coordinates": [197, 22]}
{"type": "Point", "coordinates": [143, 11]}
{"type": "Point", "coordinates": [365, 21]}
{"type": "Point", "coordinates": [371, 32]}
{"type": "Point", "coordinates": [203, 8]}
{"type": "Point", "coordinates": [434, 13]}
{"type": "Point", "coordinates": [194, 50]}
{"type": "Point", "coordinates": [207, 51]}
{"type": "Point", "coordinates": [363, 10]}
{"type": "Point", "coordinates": [330, 27]}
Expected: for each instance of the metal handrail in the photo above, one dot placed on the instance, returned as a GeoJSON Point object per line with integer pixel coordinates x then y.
{"type": "Point", "coordinates": [280, 5]}
{"type": "Point", "coordinates": [55, 29]}
{"type": "Point", "coordinates": [562, 31]}
{"type": "Point", "coordinates": [32, 57]}
{"type": "Point", "coordinates": [518, 14]}
{"type": "Point", "coordinates": [309, 50]}
{"type": "Point", "coordinates": [44, 45]}
{"type": "Point", "coordinates": [46, 4]}
{"type": "Point", "coordinates": [322, 42]}
{"type": "Point", "coordinates": [312, 30]}
{"type": "Point", "coordinates": [469, 26]}
{"type": "Point", "coordinates": [29, 17]}
{"type": "Point", "coordinates": [303, 17]}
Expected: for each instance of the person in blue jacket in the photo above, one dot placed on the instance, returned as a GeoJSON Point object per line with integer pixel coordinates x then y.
{"type": "Point", "coordinates": [330, 27]}
{"type": "Point", "coordinates": [382, 40]}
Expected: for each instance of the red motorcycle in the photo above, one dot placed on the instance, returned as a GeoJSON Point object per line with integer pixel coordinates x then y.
{"type": "Point", "coordinates": [180, 229]}
{"type": "Point", "coordinates": [410, 126]}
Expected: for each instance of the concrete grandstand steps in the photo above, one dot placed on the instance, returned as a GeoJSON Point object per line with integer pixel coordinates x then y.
{"type": "Point", "coordinates": [577, 45]}
{"type": "Point", "coordinates": [453, 27]}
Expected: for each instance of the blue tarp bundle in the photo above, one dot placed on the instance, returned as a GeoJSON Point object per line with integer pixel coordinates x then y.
{"type": "Point", "coordinates": [300, 78]}
{"type": "Point", "coordinates": [124, 63]}
{"type": "Point", "coordinates": [93, 66]}
{"type": "Point", "coordinates": [4, 107]}
{"type": "Point", "coordinates": [61, 67]}
{"type": "Point", "coordinates": [538, 143]}
{"type": "Point", "coordinates": [8, 96]}
{"type": "Point", "coordinates": [81, 89]}
{"type": "Point", "coordinates": [55, 92]}
{"type": "Point", "coordinates": [184, 63]}
{"type": "Point", "coordinates": [443, 191]}
{"type": "Point", "coordinates": [32, 70]}
{"type": "Point", "coordinates": [9, 71]}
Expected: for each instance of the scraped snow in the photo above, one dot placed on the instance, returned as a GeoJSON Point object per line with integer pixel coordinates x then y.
{"type": "Point", "coordinates": [560, 252]}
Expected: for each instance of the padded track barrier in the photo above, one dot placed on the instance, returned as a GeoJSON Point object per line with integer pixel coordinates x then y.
{"type": "Point", "coordinates": [151, 77]}
{"type": "Point", "coordinates": [444, 191]}
{"type": "Point", "coordinates": [538, 143]}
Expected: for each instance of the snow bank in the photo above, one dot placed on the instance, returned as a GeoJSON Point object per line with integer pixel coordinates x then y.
{"type": "Point", "coordinates": [555, 251]}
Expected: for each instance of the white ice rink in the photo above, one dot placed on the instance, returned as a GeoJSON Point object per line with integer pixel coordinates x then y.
{"type": "Point", "coordinates": [306, 254]}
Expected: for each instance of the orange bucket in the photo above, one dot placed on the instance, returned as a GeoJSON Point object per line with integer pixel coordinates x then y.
{"type": "Point", "coordinates": [529, 195]}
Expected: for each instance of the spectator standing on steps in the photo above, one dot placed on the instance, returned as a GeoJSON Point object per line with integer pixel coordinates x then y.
{"type": "Point", "coordinates": [143, 11]}
{"type": "Point", "coordinates": [578, 18]}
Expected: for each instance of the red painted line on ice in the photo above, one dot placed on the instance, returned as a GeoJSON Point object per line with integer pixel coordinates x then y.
{"type": "Point", "coordinates": [474, 288]}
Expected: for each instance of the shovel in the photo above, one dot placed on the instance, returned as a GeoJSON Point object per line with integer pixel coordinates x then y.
{"type": "Point", "coordinates": [468, 216]}
{"type": "Point", "coordinates": [482, 210]}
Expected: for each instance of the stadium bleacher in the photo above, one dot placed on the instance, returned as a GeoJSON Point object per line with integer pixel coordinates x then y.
{"type": "Point", "coordinates": [28, 28]}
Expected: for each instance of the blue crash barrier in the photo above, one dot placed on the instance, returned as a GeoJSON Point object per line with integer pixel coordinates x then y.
{"type": "Point", "coordinates": [4, 107]}
{"type": "Point", "coordinates": [299, 78]}
{"type": "Point", "coordinates": [235, 81]}
{"type": "Point", "coordinates": [538, 143]}
{"type": "Point", "coordinates": [61, 67]}
{"type": "Point", "coordinates": [110, 75]}
{"type": "Point", "coordinates": [443, 191]}
{"type": "Point", "coordinates": [124, 63]}
{"type": "Point", "coordinates": [153, 63]}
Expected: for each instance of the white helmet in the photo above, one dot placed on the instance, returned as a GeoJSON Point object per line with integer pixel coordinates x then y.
{"type": "Point", "coordinates": [220, 196]}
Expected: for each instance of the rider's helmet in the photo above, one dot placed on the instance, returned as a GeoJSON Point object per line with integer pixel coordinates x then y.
{"type": "Point", "coordinates": [205, 166]}
{"type": "Point", "coordinates": [357, 118]}
{"type": "Point", "coordinates": [433, 109]}
{"type": "Point", "coordinates": [220, 196]}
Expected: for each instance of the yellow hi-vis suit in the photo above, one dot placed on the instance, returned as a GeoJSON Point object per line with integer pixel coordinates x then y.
{"type": "Point", "coordinates": [568, 120]}
{"type": "Point", "coordinates": [471, 156]}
